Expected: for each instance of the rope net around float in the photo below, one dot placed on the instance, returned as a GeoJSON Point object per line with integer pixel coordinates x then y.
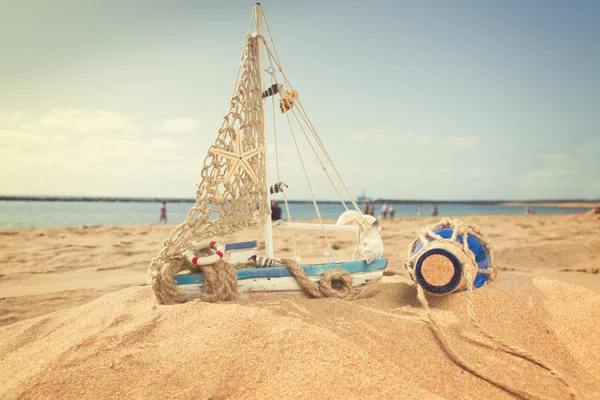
{"type": "Point", "coordinates": [461, 229]}
{"type": "Point", "coordinates": [232, 194]}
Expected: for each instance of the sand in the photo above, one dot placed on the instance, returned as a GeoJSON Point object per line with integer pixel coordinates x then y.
{"type": "Point", "coordinates": [123, 344]}
{"type": "Point", "coordinates": [564, 204]}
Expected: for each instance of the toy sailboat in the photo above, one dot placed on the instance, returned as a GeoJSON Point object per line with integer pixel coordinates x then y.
{"type": "Point", "coordinates": [235, 193]}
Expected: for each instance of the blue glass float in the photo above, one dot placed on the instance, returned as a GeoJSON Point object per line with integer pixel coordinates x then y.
{"type": "Point", "coordinates": [453, 259]}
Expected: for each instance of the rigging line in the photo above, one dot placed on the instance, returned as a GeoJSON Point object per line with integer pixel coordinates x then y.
{"type": "Point", "coordinates": [278, 62]}
{"type": "Point", "coordinates": [320, 144]}
{"type": "Point", "coordinates": [316, 154]}
{"type": "Point", "coordinates": [276, 56]}
{"type": "Point", "coordinates": [313, 131]}
{"type": "Point", "coordinates": [318, 158]}
{"type": "Point", "coordinates": [272, 43]}
{"type": "Point", "coordinates": [287, 206]}
{"type": "Point", "coordinates": [306, 119]}
{"type": "Point", "coordinates": [312, 147]}
{"type": "Point", "coordinates": [271, 58]}
{"type": "Point", "coordinates": [235, 86]}
{"type": "Point", "coordinates": [309, 185]}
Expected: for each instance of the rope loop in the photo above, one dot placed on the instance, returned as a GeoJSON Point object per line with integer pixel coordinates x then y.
{"type": "Point", "coordinates": [329, 282]}
{"type": "Point", "coordinates": [461, 229]}
{"type": "Point", "coordinates": [220, 282]}
{"type": "Point", "coordinates": [343, 280]}
{"type": "Point", "coordinates": [330, 256]}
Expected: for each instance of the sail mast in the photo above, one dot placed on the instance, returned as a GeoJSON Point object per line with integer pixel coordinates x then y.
{"type": "Point", "coordinates": [268, 223]}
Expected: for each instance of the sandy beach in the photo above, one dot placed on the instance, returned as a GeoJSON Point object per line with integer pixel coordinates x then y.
{"type": "Point", "coordinates": [569, 204]}
{"type": "Point", "coordinates": [54, 268]}
{"type": "Point", "coordinates": [61, 338]}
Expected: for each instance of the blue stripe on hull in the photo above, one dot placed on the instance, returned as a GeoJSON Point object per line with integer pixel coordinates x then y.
{"type": "Point", "coordinates": [277, 272]}
{"type": "Point", "coordinates": [241, 245]}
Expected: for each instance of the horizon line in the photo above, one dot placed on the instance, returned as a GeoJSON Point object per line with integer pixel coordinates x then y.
{"type": "Point", "coordinates": [144, 199]}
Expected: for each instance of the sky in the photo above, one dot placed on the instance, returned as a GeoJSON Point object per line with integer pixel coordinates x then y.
{"type": "Point", "coordinates": [440, 100]}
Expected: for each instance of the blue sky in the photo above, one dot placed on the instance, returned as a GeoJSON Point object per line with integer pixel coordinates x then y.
{"type": "Point", "coordinates": [413, 100]}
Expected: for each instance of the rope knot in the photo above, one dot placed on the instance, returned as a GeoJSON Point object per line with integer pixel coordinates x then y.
{"type": "Point", "coordinates": [220, 282]}
{"type": "Point", "coordinates": [336, 283]}
{"type": "Point", "coordinates": [333, 283]}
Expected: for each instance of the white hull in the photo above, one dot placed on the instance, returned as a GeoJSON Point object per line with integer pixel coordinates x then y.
{"type": "Point", "coordinates": [255, 287]}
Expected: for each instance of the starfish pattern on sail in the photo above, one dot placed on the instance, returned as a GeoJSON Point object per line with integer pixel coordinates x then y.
{"type": "Point", "coordinates": [239, 158]}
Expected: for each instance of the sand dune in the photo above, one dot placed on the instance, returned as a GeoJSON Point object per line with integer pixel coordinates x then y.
{"type": "Point", "coordinates": [125, 344]}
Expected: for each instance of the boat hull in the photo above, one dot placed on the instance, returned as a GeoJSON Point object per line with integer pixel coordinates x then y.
{"type": "Point", "coordinates": [256, 282]}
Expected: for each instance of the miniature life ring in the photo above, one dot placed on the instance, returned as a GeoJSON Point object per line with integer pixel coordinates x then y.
{"type": "Point", "coordinates": [219, 248]}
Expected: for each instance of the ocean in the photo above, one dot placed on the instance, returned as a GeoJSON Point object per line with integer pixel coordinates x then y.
{"type": "Point", "coordinates": [40, 214]}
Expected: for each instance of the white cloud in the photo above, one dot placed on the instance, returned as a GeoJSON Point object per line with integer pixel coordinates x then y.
{"type": "Point", "coordinates": [179, 125]}
{"type": "Point", "coordinates": [16, 138]}
{"type": "Point", "coordinates": [161, 145]}
{"type": "Point", "coordinates": [378, 134]}
{"type": "Point", "coordinates": [462, 141]}
{"type": "Point", "coordinates": [552, 174]}
{"type": "Point", "coordinates": [77, 146]}
{"type": "Point", "coordinates": [24, 140]}
{"type": "Point", "coordinates": [373, 137]}
{"type": "Point", "coordinates": [415, 138]}
{"type": "Point", "coordinates": [385, 134]}
{"type": "Point", "coordinates": [59, 140]}
{"type": "Point", "coordinates": [84, 122]}
{"type": "Point", "coordinates": [554, 157]}
{"type": "Point", "coordinates": [404, 171]}
{"type": "Point", "coordinates": [11, 119]}
{"type": "Point", "coordinates": [474, 174]}
{"type": "Point", "coordinates": [441, 171]}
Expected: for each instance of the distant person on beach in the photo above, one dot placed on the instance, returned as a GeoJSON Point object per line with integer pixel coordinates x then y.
{"type": "Point", "coordinates": [275, 211]}
{"type": "Point", "coordinates": [371, 211]}
{"type": "Point", "coordinates": [593, 211]}
{"type": "Point", "coordinates": [366, 208]}
{"type": "Point", "coordinates": [434, 211]}
{"type": "Point", "coordinates": [392, 211]}
{"type": "Point", "coordinates": [163, 213]}
{"type": "Point", "coordinates": [419, 210]}
{"type": "Point", "coordinates": [527, 212]}
{"type": "Point", "coordinates": [384, 210]}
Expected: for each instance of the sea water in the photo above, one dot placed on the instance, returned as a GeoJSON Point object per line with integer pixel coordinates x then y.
{"type": "Point", "coordinates": [25, 214]}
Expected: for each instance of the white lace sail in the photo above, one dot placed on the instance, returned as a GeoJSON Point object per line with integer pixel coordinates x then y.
{"type": "Point", "coordinates": [232, 193]}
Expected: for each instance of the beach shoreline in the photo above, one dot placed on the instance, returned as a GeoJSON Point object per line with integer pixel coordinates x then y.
{"type": "Point", "coordinates": [105, 199]}
{"type": "Point", "coordinates": [565, 204]}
